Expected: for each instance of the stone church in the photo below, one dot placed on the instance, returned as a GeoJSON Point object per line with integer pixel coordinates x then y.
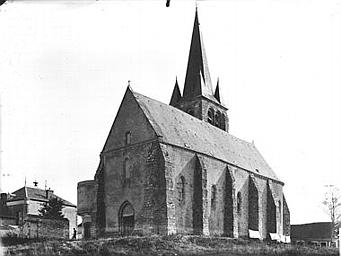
{"type": "Point", "coordinates": [176, 169]}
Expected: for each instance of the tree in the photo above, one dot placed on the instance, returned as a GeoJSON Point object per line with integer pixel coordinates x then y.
{"type": "Point", "coordinates": [52, 209]}
{"type": "Point", "coordinates": [332, 204]}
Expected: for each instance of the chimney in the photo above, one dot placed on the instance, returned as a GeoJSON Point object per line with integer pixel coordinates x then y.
{"type": "Point", "coordinates": [3, 199]}
{"type": "Point", "coordinates": [49, 193]}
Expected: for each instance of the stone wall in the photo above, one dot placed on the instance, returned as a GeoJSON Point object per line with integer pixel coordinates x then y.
{"type": "Point", "coordinates": [129, 118]}
{"type": "Point", "coordinates": [286, 218]}
{"type": "Point", "coordinates": [144, 188]}
{"type": "Point", "coordinates": [271, 221]}
{"type": "Point", "coordinates": [253, 200]}
{"type": "Point", "coordinates": [277, 191]}
{"type": "Point", "coordinates": [100, 206]}
{"type": "Point", "coordinates": [86, 197]}
{"type": "Point", "coordinates": [230, 209]}
{"type": "Point", "coordinates": [37, 227]}
{"type": "Point", "coordinates": [8, 220]}
{"type": "Point", "coordinates": [221, 211]}
{"type": "Point", "coordinates": [20, 209]}
{"type": "Point", "coordinates": [184, 163]}
{"type": "Point", "coordinates": [69, 213]}
{"type": "Point", "coordinates": [199, 197]}
{"type": "Point", "coordinates": [154, 187]}
{"type": "Point", "coordinates": [242, 188]}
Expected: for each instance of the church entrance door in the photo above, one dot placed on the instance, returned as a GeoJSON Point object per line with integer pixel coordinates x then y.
{"type": "Point", "coordinates": [86, 227]}
{"type": "Point", "coordinates": [127, 225]}
{"type": "Point", "coordinates": [127, 219]}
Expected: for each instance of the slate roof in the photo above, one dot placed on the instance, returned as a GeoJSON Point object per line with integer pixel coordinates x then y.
{"type": "Point", "coordinates": [35, 194]}
{"type": "Point", "coordinates": [311, 231]}
{"type": "Point", "coordinates": [181, 129]}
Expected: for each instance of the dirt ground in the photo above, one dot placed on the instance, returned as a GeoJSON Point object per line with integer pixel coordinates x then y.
{"type": "Point", "coordinates": [164, 246]}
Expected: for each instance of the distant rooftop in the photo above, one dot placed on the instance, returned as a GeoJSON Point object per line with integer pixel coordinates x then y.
{"type": "Point", "coordinates": [311, 231]}
{"type": "Point", "coordinates": [36, 194]}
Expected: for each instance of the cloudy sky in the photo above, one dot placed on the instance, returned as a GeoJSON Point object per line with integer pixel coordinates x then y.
{"type": "Point", "coordinates": [64, 67]}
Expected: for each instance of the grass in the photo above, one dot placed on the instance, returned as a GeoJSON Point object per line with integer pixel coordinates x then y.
{"type": "Point", "coordinates": [165, 246]}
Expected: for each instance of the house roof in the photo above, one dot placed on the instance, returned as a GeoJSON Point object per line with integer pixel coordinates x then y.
{"type": "Point", "coordinates": [178, 128]}
{"type": "Point", "coordinates": [311, 231]}
{"type": "Point", "coordinates": [35, 194]}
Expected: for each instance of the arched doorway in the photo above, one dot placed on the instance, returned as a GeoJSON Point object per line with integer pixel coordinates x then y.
{"type": "Point", "coordinates": [87, 232]}
{"type": "Point", "coordinates": [126, 219]}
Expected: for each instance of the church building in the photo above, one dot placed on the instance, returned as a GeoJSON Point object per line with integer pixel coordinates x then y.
{"type": "Point", "coordinates": [176, 169]}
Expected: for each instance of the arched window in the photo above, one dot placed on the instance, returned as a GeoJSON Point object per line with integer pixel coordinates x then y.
{"type": "Point", "coordinates": [239, 202]}
{"type": "Point", "coordinates": [213, 195]}
{"type": "Point", "coordinates": [217, 119]}
{"type": "Point", "coordinates": [182, 189]}
{"type": "Point", "coordinates": [128, 138]}
{"type": "Point", "coordinates": [210, 116]}
{"type": "Point", "coordinates": [222, 122]}
{"type": "Point", "coordinates": [126, 171]}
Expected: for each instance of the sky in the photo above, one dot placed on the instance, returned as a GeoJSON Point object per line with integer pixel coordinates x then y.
{"type": "Point", "coordinates": [65, 65]}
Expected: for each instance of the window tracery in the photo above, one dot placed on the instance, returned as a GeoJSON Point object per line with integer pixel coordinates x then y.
{"type": "Point", "coordinates": [210, 116]}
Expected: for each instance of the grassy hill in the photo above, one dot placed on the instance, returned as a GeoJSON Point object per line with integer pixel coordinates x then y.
{"type": "Point", "coordinates": [164, 246]}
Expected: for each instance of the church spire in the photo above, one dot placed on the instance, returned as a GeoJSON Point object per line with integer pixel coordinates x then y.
{"type": "Point", "coordinates": [198, 80]}
{"type": "Point", "coordinates": [176, 95]}
{"type": "Point", "coordinates": [198, 98]}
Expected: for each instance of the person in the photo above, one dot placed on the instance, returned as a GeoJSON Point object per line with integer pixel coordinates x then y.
{"type": "Point", "coordinates": [74, 233]}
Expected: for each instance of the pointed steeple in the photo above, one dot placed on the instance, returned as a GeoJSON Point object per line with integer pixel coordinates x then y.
{"type": "Point", "coordinates": [176, 95]}
{"type": "Point", "coordinates": [198, 98]}
{"type": "Point", "coordinates": [217, 91]}
{"type": "Point", "coordinates": [198, 80]}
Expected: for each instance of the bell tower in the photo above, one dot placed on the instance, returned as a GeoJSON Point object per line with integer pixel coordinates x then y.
{"type": "Point", "coordinates": [198, 98]}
